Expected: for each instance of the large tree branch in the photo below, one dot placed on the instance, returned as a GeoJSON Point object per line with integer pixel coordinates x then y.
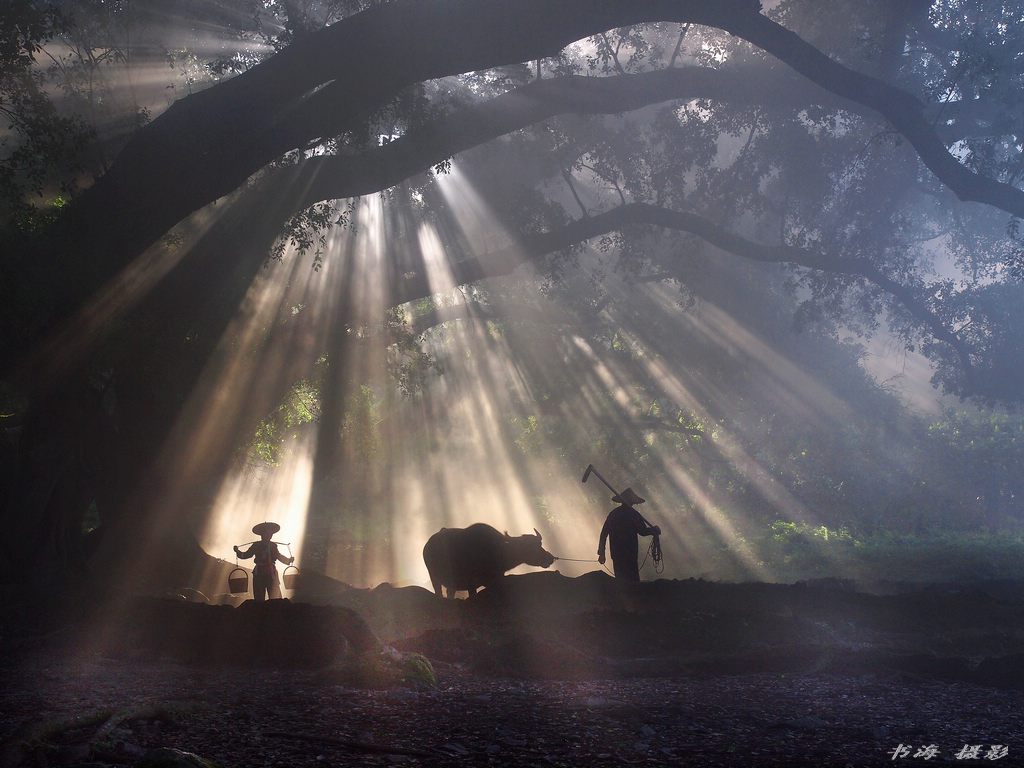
{"type": "Point", "coordinates": [974, 117]}
{"type": "Point", "coordinates": [844, 88]}
{"type": "Point", "coordinates": [902, 109]}
{"type": "Point", "coordinates": [329, 177]}
{"type": "Point", "coordinates": [340, 176]}
{"type": "Point", "coordinates": [283, 192]}
{"type": "Point", "coordinates": [642, 214]}
{"type": "Point", "coordinates": [208, 144]}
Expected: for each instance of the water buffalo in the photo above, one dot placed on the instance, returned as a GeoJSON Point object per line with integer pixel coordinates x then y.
{"type": "Point", "coordinates": [477, 556]}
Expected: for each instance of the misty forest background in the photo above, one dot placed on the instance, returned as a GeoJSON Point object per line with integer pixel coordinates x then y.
{"type": "Point", "coordinates": [371, 275]}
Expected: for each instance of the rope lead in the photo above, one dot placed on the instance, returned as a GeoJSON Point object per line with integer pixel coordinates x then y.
{"type": "Point", "coordinates": [654, 552]}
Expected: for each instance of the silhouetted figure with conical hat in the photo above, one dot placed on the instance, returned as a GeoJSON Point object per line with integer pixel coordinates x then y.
{"type": "Point", "coordinates": [623, 526]}
{"type": "Point", "coordinates": [265, 581]}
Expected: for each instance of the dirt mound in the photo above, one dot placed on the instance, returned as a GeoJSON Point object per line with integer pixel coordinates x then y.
{"type": "Point", "coordinates": [547, 626]}
{"type": "Point", "coordinates": [276, 633]}
{"type": "Point", "coordinates": [544, 625]}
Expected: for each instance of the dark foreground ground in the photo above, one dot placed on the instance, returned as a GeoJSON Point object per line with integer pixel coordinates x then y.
{"type": "Point", "coordinates": [237, 718]}
{"type": "Point", "coordinates": [551, 672]}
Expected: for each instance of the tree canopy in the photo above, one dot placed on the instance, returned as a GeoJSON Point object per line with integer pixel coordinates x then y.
{"type": "Point", "coordinates": [925, 89]}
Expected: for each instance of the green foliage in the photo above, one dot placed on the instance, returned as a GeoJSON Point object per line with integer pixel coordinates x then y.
{"type": "Point", "coordinates": [190, 69]}
{"type": "Point", "coordinates": [91, 520]}
{"type": "Point", "coordinates": [38, 145]}
{"type": "Point", "coordinates": [36, 219]}
{"type": "Point", "coordinates": [386, 669]}
{"type": "Point", "coordinates": [410, 367]}
{"type": "Point", "coordinates": [360, 423]}
{"type": "Point", "coordinates": [302, 407]}
{"type": "Point", "coordinates": [795, 551]}
{"type": "Point", "coordinates": [529, 440]}
{"type": "Point", "coordinates": [801, 550]}
{"type": "Point", "coordinates": [944, 556]}
{"type": "Point", "coordinates": [25, 26]}
{"type": "Point", "coordinates": [12, 401]}
{"type": "Point", "coordinates": [309, 228]}
{"type": "Point", "coordinates": [800, 534]}
{"type": "Point", "coordinates": [983, 455]}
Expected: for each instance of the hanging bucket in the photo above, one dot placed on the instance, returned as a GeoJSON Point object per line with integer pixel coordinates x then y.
{"type": "Point", "coordinates": [238, 581]}
{"type": "Point", "coordinates": [291, 580]}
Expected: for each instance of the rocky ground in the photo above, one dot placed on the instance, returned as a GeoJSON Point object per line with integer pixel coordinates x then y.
{"type": "Point", "coordinates": [543, 672]}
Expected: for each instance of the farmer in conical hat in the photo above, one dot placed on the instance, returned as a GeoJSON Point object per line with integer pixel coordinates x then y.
{"type": "Point", "coordinates": [265, 581]}
{"type": "Point", "coordinates": [623, 526]}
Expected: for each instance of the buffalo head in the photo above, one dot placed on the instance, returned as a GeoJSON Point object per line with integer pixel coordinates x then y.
{"type": "Point", "coordinates": [528, 550]}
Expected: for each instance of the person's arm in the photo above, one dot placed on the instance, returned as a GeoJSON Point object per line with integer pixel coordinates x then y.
{"type": "Point", "coordinates": [600, 545]}
{"type": "Point", "coordinates": [246, 554]}
{"type": "Point", "coordinates": [282, 558]}
{"type": "Point", "coordinates": [643, 528]}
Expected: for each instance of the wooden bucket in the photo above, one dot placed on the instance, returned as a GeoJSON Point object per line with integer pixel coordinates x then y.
{"type": "Point", "coordinates": [238, 581]}
{"type": "Point", "coordinates": [291, 580]}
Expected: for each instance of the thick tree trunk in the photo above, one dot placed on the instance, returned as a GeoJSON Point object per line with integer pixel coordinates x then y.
{"type": "Point", "coordinates": [53, 487]}
{"type": "Point", "coordinates": [98, 433]}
